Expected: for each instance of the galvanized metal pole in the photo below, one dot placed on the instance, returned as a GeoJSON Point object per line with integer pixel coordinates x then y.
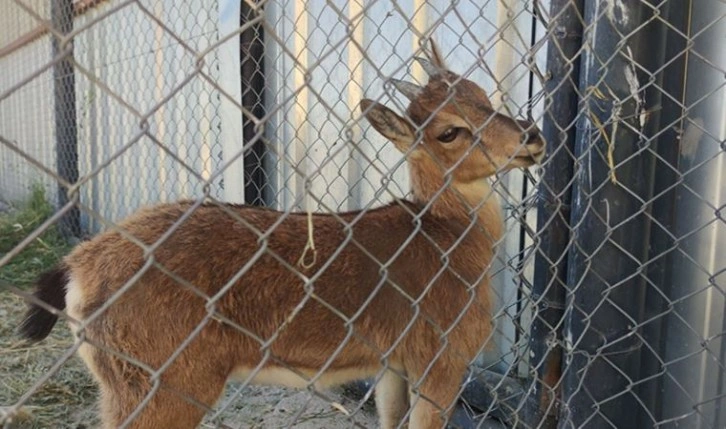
{"type": "Point", "coordinates": [64, 98]}
{"type": "Point", "coordinates": [553, 214]}
{"type": "Point", "coordinates": [610, 216]}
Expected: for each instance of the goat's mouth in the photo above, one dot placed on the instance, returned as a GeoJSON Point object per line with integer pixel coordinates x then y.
{"type": "Point", "coordinates": [532, 153]}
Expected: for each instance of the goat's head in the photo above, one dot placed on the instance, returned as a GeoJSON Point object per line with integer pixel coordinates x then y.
{"type": "Point", "coordinates": [450, 123]}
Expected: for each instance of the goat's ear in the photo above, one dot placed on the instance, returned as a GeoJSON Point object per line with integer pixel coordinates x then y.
{"type": "Point", "coordinates": [388, 123]}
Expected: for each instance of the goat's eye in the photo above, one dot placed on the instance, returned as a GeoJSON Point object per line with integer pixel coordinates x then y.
{"type": "Point", "coordinates": [449, 135]}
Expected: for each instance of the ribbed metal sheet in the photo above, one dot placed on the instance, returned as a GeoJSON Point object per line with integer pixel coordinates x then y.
{"type": "Point", "coordinates": [132, 57]}
{"type": "Point", "coordinates": [26, 114]}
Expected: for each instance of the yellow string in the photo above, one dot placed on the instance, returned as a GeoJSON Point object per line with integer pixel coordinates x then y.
{"type": "Point", "coordinates": [309, 246]}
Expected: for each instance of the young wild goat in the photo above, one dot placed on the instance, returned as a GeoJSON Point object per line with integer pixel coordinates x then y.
{"type": "Point", "coordinates": [399, 293]}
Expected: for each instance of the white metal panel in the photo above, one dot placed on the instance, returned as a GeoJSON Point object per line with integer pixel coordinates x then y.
{"type": "Point", "coordinates": [26, 115]}
{"type": "Point", "coordinates": [17, 21]}
{"type": "Point", "coordinates": [133, 58]}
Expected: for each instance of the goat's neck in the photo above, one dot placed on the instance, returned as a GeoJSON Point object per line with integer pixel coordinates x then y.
{"type": "Point", "coordinates": [459, 200]}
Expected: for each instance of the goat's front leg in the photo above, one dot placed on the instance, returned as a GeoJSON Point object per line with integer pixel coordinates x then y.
{"type": "Point", "coordinates": [392, 399]}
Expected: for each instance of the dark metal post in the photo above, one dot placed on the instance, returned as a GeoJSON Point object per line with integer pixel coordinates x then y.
{"type": "Point", "coordinates": [64, 99]}
{"type": "Point", "coordinates": [610, 217]}
{"type": "Point", "coordinates": [252, 49]}
{"type": "Point", "coordinates": [553, 214]}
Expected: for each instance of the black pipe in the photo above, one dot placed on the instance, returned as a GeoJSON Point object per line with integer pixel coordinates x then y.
{"type": "Point", "coordinates": [252, 50]}
{"type": "Point", "coordinates": [553, 213]}
{"type": "Point", "coordinates": [64, 100]}
{"type": "Point", "coordinates": [606, 283]}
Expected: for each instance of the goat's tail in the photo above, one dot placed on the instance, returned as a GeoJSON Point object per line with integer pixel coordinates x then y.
{"type": "Point", "coordinates": [38, 321]}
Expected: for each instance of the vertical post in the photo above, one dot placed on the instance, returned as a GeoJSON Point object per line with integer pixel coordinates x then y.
{"type": "Point", "coordinates": [64, 99]}
{"type": "Point", "coordinates": [230, 115]}
{"type": "Point", "coordinates": [553, 213]}
{"type": "Point", "coordinates": [693, 349]}
{"type": "Point", "coordinates": [660, 270]}
{"type": "Point", "coordinates": [606, 284]}
{"type": "Point", "coordinates": [252, 50]}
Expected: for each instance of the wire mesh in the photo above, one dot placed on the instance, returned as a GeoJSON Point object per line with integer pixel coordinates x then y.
{"type": "Point", "coordinates": [606, 305]}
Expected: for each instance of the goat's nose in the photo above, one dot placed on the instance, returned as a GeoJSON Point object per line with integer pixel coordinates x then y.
{"type": "Point", "coordinates": [528, 128]}
{"type": "Point", "coordinates": [533, 140]}
{"type": "Point", "coordinates": [532, 137]}
{"type": "Point", "coordinates": [530, 133]}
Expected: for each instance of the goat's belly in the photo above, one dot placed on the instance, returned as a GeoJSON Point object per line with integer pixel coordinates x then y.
{"type": "Point", "coordinates": [301, 378]}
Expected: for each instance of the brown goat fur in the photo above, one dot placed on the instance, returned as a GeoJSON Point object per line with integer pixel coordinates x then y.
{"type": "Point", "coordinates": [399, 293]}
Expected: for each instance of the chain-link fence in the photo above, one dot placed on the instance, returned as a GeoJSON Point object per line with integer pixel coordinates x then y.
{"type": "Point", "coordinates": [601, 305]}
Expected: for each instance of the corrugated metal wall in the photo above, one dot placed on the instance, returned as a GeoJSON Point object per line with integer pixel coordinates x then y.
{"type": "Point", "coordinates": [132, 57]}
{"type": "Point", "coordinates": [26, 114]}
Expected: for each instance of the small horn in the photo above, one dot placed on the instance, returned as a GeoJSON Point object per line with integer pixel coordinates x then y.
{"type": "Point", "coordinates": [430, 68]}
{"type": "Point", "coordinates": [436, 55]}
{"type": "Point", "coordinates": [410, 90]}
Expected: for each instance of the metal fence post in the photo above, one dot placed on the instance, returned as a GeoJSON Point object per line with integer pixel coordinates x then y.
{"type": "Point", "coordinates": [614, 180]}
{"type": "Point", "coordinates": [64, 99]}
{"type": "Point", "coordinates": [671, 117]}
{"type": "Point", "coordinates": [252, 70]}
{"type": "Point", "coordinates": [553, 214]}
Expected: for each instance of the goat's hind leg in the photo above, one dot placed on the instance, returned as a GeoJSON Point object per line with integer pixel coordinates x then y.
{"type": "Point", "coordinates": [434, 393]}
{"type": "Point", "coordinates": [164, 408]}
{"type": "Point", "coordinates": [129, 398]}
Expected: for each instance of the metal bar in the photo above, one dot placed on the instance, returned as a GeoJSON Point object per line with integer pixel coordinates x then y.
{"type": "Point", "coordinates": [672, 81]}
{"type": "Point", "coordinates": [64, 97]}
{"type": "Point", "coordinates": [610, 217]}
{"type": "Point", "coordinates": [24, 40]}
{"type": "Point", "coordinates": [252, 51]}
{"type": "Point", "coordinates": [694, 388]}
{"type": "Point", "coordinates": [553, 214]}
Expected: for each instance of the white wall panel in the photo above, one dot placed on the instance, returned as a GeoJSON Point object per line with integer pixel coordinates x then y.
{"type": "Point", "coordinates": [130, 56]}
{"type": "Point", "coordinates": [26, 114]}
